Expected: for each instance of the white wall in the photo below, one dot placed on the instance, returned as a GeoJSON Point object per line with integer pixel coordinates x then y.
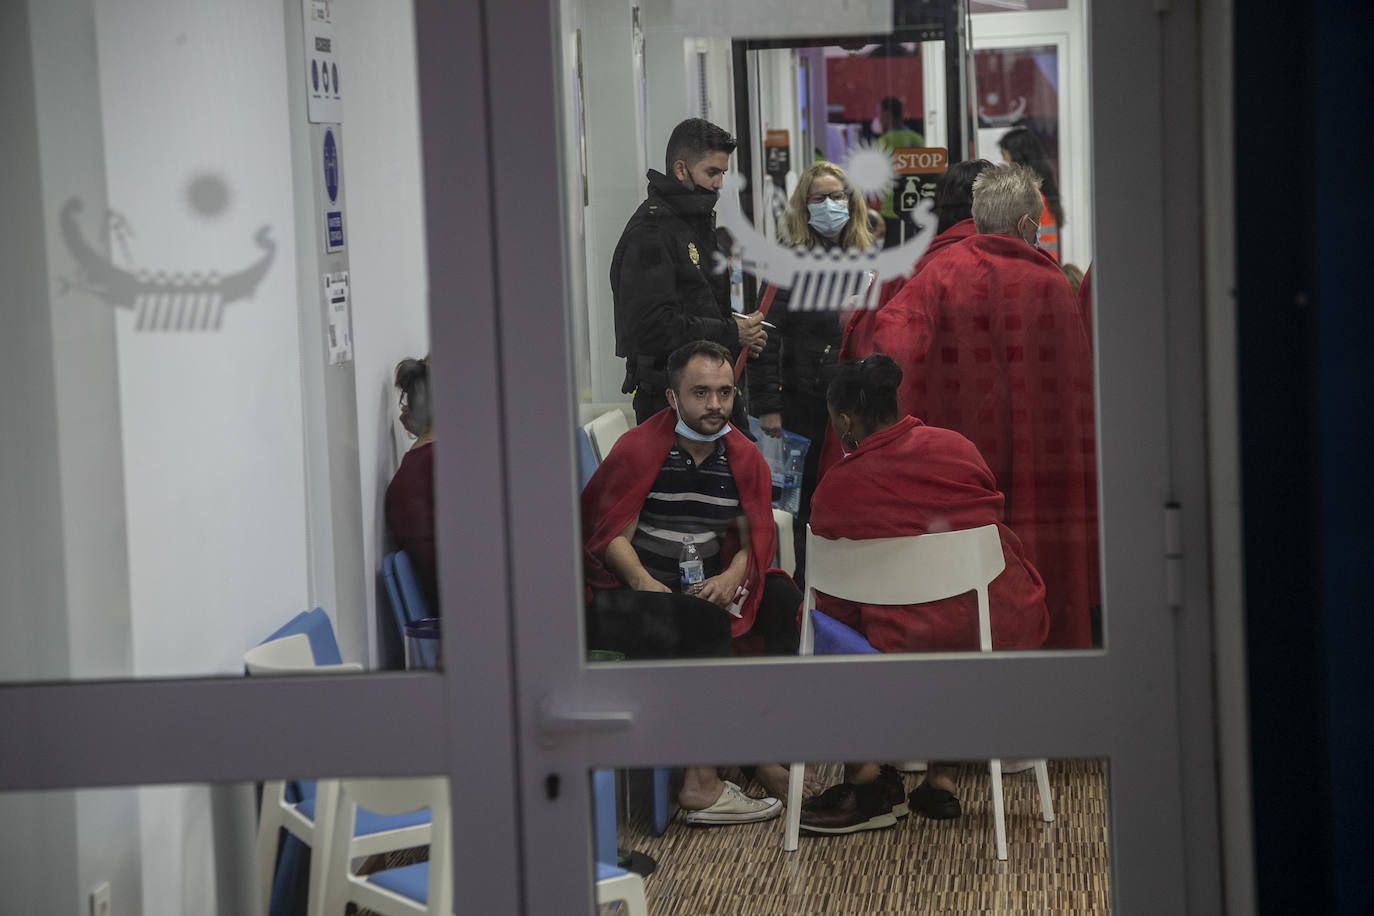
{"type": "Point", "coordinates": [387, 242]}
{"type": "Point", "coordinates": [212, 421]}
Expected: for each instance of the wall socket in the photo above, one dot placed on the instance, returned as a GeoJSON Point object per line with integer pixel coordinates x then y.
{"type": "Point", "coordinates": [100, 899]}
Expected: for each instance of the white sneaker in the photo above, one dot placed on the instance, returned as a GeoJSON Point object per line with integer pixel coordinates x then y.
{"type": "Point", "coordinates": [1017, 766]}
{"type": "Point", "coordinates": [734, 807]}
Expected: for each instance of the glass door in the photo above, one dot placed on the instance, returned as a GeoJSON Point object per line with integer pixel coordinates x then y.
{"type": "Point", "coordinates": [556, 229]}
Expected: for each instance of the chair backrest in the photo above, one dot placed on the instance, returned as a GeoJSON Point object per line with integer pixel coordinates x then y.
{"type": "Point", "coordinates": [316, 626]}
{"type": "Point", "coordinates": [290, 655]}
{"type": "Point", "coordinates": [586, 457]}
{"type": "Point", "coordinates": [908, 570]}
{"type": "Point", "coordinates": [393, 593]}
{"type": "Point", "coordinates": [395, 796]}
{"type": "Point", "coordinates": [604, 430]}
{"type": "Point", "coordinates": [412, 597]}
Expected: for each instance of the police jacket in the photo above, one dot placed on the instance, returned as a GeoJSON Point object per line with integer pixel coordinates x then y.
{"type": "Point", "coordinates": [667, 287]}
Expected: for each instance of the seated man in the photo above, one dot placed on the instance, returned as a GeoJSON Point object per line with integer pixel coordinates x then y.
{"type": "Point", "coordinates": [685, 475]}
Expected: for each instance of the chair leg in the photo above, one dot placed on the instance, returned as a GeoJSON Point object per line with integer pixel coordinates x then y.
{"type": "Point", "coordinates": [1042, 782]}
{"type": "Point", "coordinates": [794, 803]}
{"type": "Point", "coordinates": [326, 809]}
{"type": "Point", "coordinates": [269, 837]}
{"type": "Point", "coordinates": [628, 887]}
{"type": "Point", "coordinates": [660, 778]}
{"type": "Point", "coordinates": [999, 821]}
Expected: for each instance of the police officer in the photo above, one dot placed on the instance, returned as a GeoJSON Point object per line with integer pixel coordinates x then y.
{"type": "Point", "coordinates": [668, 284]}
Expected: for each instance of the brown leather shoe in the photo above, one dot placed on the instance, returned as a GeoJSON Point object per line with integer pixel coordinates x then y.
{"type": "Point", "coordinates": [847, 808]}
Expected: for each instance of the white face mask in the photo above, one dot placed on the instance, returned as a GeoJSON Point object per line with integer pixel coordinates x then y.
{"type": "Point", "coordinates": [686, 432]}
{"type": "Point", "coordinates": [829, 216]}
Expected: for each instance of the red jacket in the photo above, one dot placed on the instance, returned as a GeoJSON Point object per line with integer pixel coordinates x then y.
{"type": "Point", "coordinates": [916, 479]}
{"type": "Point", "coordinates": [991, 344]}
{"type": "Point", "coordinates": [616, 493]}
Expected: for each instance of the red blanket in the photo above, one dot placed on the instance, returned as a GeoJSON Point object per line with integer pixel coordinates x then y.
{"type": "Point", "coordinates": [858, 334]}
{"type": "Point", "coordinates": [616, 493]}
{"type": "Point", "coordinates": [916, 479]}
{"type": "Point", "coordinates": [992, 345]}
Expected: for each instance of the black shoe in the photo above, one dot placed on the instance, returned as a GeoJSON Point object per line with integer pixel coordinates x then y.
{"type": "Point", "coordinates": [894, 791]}
{"type": "Point", "coordinates": [936, 804]}
{"type": "Point", "coordinates": [847, 808]}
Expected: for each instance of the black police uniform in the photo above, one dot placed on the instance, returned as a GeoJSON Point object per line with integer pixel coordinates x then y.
{"type": "Point", "coordinates": [669, 289]}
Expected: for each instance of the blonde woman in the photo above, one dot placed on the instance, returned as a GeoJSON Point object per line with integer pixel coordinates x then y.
{"type": "Point", "coordinates": [787, 383]}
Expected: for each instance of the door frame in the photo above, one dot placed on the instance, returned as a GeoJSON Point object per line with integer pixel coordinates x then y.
{"type": "Point", "coordinates": [1121, 703]}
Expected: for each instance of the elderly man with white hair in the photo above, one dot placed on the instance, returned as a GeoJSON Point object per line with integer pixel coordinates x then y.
{"type": "Point", "coordinates": [991, 344]}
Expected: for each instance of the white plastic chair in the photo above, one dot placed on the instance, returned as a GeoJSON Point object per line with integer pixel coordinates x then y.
{"type": "Point", "coordinates": [614, 884]}
{"type": "Point", "coordinates": [909, 570]}
{"type": "Point", "coordinates": [605, 430]}
{"type": "Point", "coordinates": [290, 655]}
{"type": "Point", "coordinates": [787, 551]}
{"type": "Point", "coordinates": [425, 888]}
{"type": "Point", "coordinates": [309, 820]}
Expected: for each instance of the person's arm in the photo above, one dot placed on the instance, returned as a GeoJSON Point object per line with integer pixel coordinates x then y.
{"type": "Point", "coordinates": [658, 318]}
{"type": "Point", "coordinates": [622, 560]}
{"type": "Point", "coordinates": [765, 373]}
{"type": "Point", "coordinates": [720, 589]}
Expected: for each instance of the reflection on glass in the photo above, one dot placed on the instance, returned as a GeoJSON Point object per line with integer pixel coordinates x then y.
{"type": "Point", "coordinates": [873, 838]}
{"type": "Point", "coordinates": [761, 274]}
{"type": "Point", "coordinates": [220, 849]}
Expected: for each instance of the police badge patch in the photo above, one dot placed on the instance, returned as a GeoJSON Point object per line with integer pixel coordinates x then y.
{"type": "Point", "coordinates": [692, 253]}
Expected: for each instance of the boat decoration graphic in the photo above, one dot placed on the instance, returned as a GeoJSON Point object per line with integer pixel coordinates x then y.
{"type": "Point", "coordinates": [820, 280]}
{"type": "Point", "coordinates": [163, 300]}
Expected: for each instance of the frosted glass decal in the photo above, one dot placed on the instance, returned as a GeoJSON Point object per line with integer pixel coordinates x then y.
{"type": "Point", "coordinates": [833, 280]}
{"type": "Point", "coordinates": [164, 300]}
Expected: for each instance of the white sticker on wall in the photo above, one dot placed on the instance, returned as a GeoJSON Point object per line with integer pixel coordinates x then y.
{"type": "Point", "coordinates": [779, 18]}
{"type": "Point", "coordinates": [339, 318]}
{"type": "Point", "coordinates": [324, 97]}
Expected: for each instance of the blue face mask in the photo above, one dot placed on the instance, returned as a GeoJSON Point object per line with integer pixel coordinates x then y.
{"type": "Point", "coordinates": [686, 432]}
{"type": "Point", "coordinates": [829, 216]}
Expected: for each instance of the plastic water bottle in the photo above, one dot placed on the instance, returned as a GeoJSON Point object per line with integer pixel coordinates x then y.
{"type": "Point", "coordinates": [792, 476]}
{"type": "Point", "coordinates": [689, 567]}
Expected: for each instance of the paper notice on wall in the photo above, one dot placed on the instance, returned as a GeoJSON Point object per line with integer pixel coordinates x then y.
{"type": "Point", "coordinates": [338, 317]}
{"type": "Point", "coordinates": [324, 97]}
{"type": "Point", "coordinates": [779, 18]}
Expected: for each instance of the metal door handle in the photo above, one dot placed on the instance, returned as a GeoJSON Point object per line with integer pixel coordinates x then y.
{"type": "Point", "coordinates": [553, 720]}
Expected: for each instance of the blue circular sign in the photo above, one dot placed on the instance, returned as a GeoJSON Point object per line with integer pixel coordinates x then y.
{"type": "Point", "coordinates": [331, 166]}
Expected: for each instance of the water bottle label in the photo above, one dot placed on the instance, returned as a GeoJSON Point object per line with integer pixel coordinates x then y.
{"type": "Point", "coordinates": [691, 572]}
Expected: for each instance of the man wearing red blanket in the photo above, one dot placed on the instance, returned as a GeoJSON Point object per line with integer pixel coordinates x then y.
{"type": "Point", "coordinates": [685, 475]}
{"type": "Point", "coordinates": [992, 345]}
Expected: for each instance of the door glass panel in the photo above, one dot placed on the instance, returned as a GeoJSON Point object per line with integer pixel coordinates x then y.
{"type": "Point", "coordinates": [200, 848]}
{"type": "Point", "coordinates": [220, 263]}
{"type": "Point", "coordinates": [816, 235]}
{"type": "Point", "coordinates": [912, 862]}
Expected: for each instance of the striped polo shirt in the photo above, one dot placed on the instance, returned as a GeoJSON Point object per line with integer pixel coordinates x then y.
{"type": "Point", "coordinates": [686, 499]}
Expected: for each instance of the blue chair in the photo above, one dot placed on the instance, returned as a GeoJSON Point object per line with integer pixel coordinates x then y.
{"type": "Point", "coordinates": [306, 645]}
{"type": "Point", "coordinates": [403, 593]}
{"type": "Point", "coordinates": [835, 638]}
{"type": "Point", "coordinates": [586, 456]}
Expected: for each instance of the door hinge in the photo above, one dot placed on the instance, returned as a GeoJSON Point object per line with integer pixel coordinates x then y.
{"type": "Point", "coordinates": [1173, 554]}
